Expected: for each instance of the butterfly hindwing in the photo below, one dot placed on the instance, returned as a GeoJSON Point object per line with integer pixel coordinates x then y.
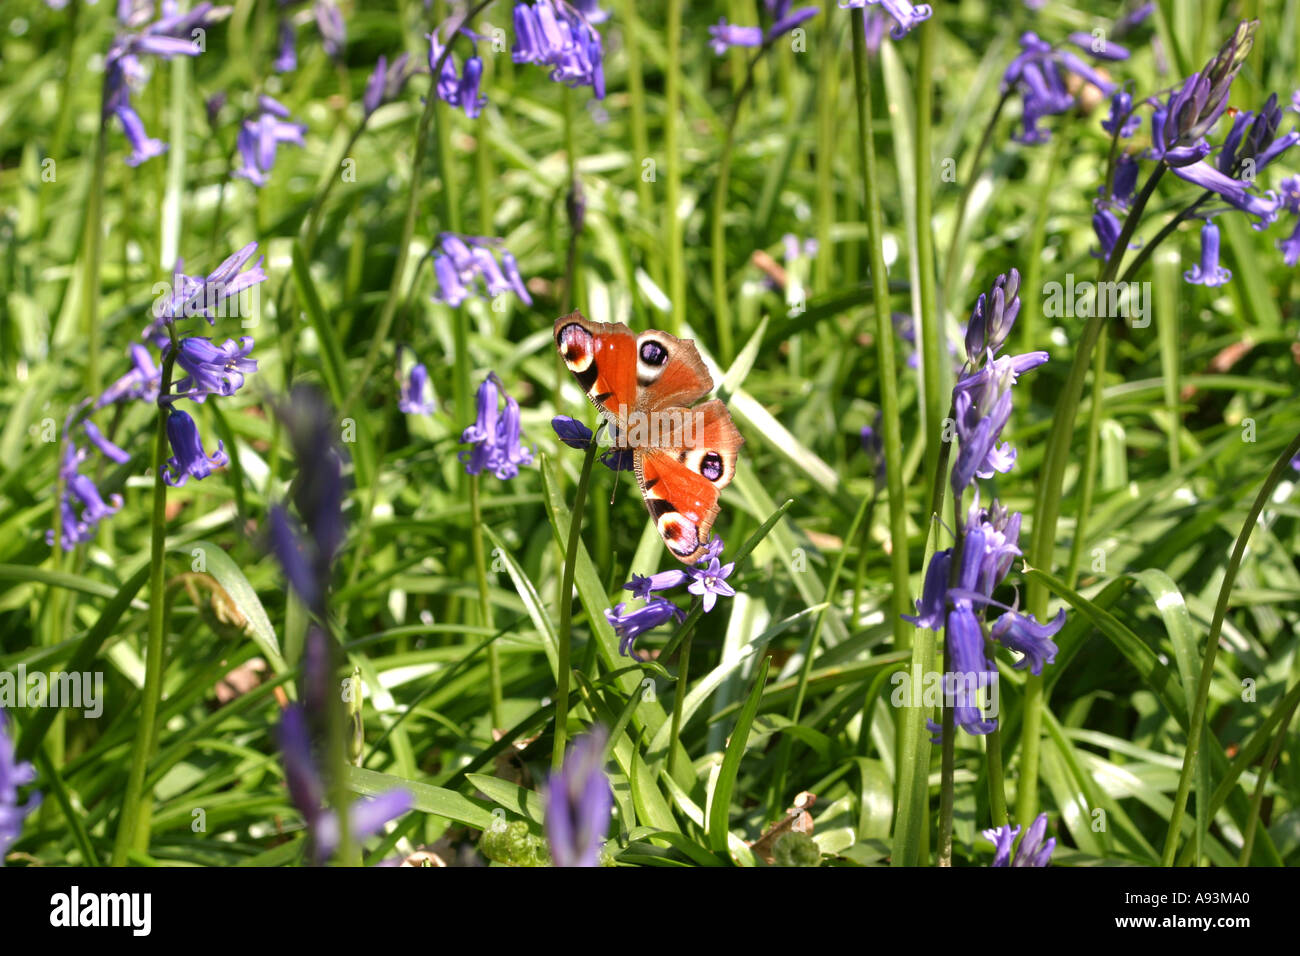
{"type": "Point", "coordinates": [681, 484]}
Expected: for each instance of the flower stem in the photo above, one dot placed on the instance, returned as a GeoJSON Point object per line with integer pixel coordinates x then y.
{"type": "Point", "coordinates": [1196, 728]}
{"type": "Point", "coordinates": [1088, 473]}
{"type": "Point", "coordinates": [90, 263]}
{"type": "Point", "coordinates": [1047, 505]}
{"type": "Point", "coordinates": [133, 820]}
{"type": "Point", "coordinates": [679, 700]}
{"type": "Point", "coordinates": [913, 751]}
{"type": "Point", "coordinates": [827, 99]}
{"type": "Point", "coordinates": [566, 607]}
{"type": "Point", "coordinates": [963, 203]}
{"type": "Point", "coordinates": [673, 187]}
{"type": "Point", "coordinates": [484, 602]}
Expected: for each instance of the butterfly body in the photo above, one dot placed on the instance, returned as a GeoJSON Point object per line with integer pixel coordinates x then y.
{"type": "Point", "coordinates": [645, 387]}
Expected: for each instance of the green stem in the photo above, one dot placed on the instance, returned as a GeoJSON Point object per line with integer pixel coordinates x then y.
{"type": "Point", "coordinates": [673, 187]}
{"type": "Point", "coordinates": [1257, 798]}
{"type": "Point", "coordinates": [1196, 728]}
{"type": "Point", "coordinates": [566, 606]}
{"type": "Point", "coordinates": [963, 203]}
{"type": "Point", "coordinates": [133, 820]}
{"type": "Point", "coordinates": [679, 701]}
{"type": "Point", "coordinates": [934, 352]}
{"type": "Point", "coordinates": [1088, 474]}
{"type": "Point", "coordinates": [484, 602]}
{"type": "Point", "coordinates": [1047, 504]}
{"type": "Point", "coordinates": [827, 100]}
{"type": "Point", "coordinates": [90, 264]}
{"type": "Point", "coordinates": [637, 112]}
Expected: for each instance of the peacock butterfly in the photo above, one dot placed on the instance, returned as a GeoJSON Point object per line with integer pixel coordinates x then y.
{"type": "Point", "coordinates": [645, 386]}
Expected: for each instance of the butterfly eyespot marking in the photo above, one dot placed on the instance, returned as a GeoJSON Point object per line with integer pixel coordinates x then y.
{"type": "Point", "coordinates": [653, 354]}
{"type": "Point", "coordinates": [711, 466]}
{"type": "Point", "coordinates": [678, 532]}
{"type": "Point", "coordinates": [577, 347]}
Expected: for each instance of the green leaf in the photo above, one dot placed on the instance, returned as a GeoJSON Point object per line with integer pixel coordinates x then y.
{"type": "Point", "coordinates": [719, 810]}
{"type": "Point", "coordinates": [232, 580]}
{"type": "Point", "coordinates": [428, 799]}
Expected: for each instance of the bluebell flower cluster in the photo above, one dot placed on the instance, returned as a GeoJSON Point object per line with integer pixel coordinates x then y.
{"type": "Point", "coordinates": [460, 261]}
{"type": "Point", "coordinates": [959, 585]}
{"type": "Point", "coordinates": [386, 82]}
{"type": "Point", "coordinates": [558, 35]}
{"type": "Point", "coordinates": [1032, 851]}
{"type": "Point", "coordinates": [725, 35]}
{"type": "Point", "coordinates": [12, 776]}
{"type": "Point", "coordinates": [82, 505]}
{"type": "Point", "coordinates": [1040, 73]}
{"type": "Point", "coordinates": [578, 802]}
{"type": "Point", "coordinates": [260, 136]}
{"type": "Point", "coordinates": [906, 16]}
{"type": "Point", "coordinates": [305, 547]}
{"type": "Point", "coordinates": [494, 434]}
{"type": "Point", "coordinates": [457, 86]}
{"type": "Point", "coordinates": [164, 38]}
{"type": "Point", "coordinates": [707, 581]}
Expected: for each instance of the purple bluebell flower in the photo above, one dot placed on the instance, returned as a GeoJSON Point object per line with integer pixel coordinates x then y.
{"type": "Point", "coordinates": [457, 87]}
{"type": "Point", "coordinates": [78, 490]}
{"type": "Point", "coordinates": [936, 731]}
{"type": "Point", "coordinates": [494, 435]}
{"type": "Point", "coordinates": [1107, 227]}
{"type": "Point", "coordinates": [12, 776]}
{"type": "Point", "coordinates": [578, 802]}
{"type": "Point", "coordinates": [1121, 116]}
{"type": "Point", "coordinates": [1208, 272]}
{"type": "Point", "coordinates": [317, 492]}
{"type": "Point", "coordinates": [982, 400]}
{"type": "Point", "coordinates": [591, 10]}
{"type": "Point", "coordinates": [931, 606]}
{"type": "Point", "coordinates": [643, 586]}
{"type": "Point", "coordinates": [386, 82]}
{"type": "Point", "coordinates": [725, 35]}
{"type": "Point", "coordinates": [1124, 185]}
{"type": "Point", "coordinates": [992, 318]}
{"type": "Point", "coordinates": [907, 16]}
{"type": "Point", "coordinates": [463, 260]}
{"type": "Point", "coordinates": [1231, 191]}
{"type": "Point", "coordinates": [969, 669]}
{"type": "Point", "coordinates": [213, 369]}
{"type": "Point", "coordinates": [711, 582]}
{"type": "Point", "coordinates": [143, 147]}
{"type": "Point", "coordinates": [208, 296]}
{"type": "Point", "coordinates": [142, 381]}
{"type": "Point", "coordinates": [557, 35]}
{"type": "Point", "coordinates": [188, 460]}
{"type": "Point", "coordinates": [1098, 46]}
{"type": "Point", "coordinates": [414, 400]}
{"type": "Point", "coordinates": [633, 624]}
{"type": "Point", "coordinates": [1032, 850]}
{"type": "Point", "coordinates": [286, 58]}
{"type": "Point", "coordinates": [333, 33]}
{"type": "Point", "coordinates": [366, 816]}
{"type": "Point", "coordinates": [259, 138]}
{"type": "Point", "coordinates": [1023, 634]}
{"type": "Point", "coordinates": [106, 447]}
{"type": "Point", "coordinates": [1290, 246]}
{"type": "Point", "coordinates": [577, 435]}
{"type": "Point", "coordinates": [1039, 73]}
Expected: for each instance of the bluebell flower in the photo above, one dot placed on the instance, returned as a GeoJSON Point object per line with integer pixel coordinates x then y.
{"type": "Point", "coordinates": [385, 83]}
{"type": "Point", "coordinates": [907, 16]}
{"type": "Point", "coordinates": [1107, 227]}
{"type": "Point", "coordinates": [12, 776]}
{"type": "Point", "coordinates": [1124, 185]}
{"type": "Point", "coordinates": [932, 605]}
{"type": "Point", "coordinates": [578, 802]}
{"type": "Point", "coordinates": [1208, 272]}
{"type": "Point", "coordinates": [1032, 850]}
{"type": "Point", "coordinates": [142, 381]}
{"type": "Point", "coordinates": [106, 447]}
{"type": "Point", "coordinates": [993, 316]}
{"type": "Point", "coordinates": [1290, 246]}
{"type": "Point", "coordinates": [643, 586]}
{"type": "Point", "coordinates": [317, 492]}
{"type": "Point", "coordinates": [1023, 634]}
{"type": "Point", "coordinates": [366, 816]}
{"type": "Point", "coordinates": [79, 492]}
{"type": "Point", "coordinates": [494, 435]}
{"type": "Point", "coordinates": [712, 550]}
{"type": "Point", "coordinates": [1121, 116]}
{"type": "Point", "coordinates": [982, 401]}
{"type": "Point", "coordinates": [557, 35]}
{"type": "Point", "coordinates": [1039, 72]}
{"type": "Point", "coordinates": [936, 731]}
{"type": "Point", "coordinates": [591, 10]}
{"type": "Point", "coordinates": [725, 35]}
{"type": "Point", "coordinates": [873, 443]}
{"type": "Point", "coordinates": [213, 369]}
{"type": "Point", "coordinates": [969, 669]}
{"type": "Point", "coordinates": [462, 260]}
{"type": "Point", "coordinates": [260, 136]}
{"type": "Point", "coordinates": [188, 460]}
{"type": "Point", "coordinates": [633, 624]}
{"type": "Point", "coordinates": [333, 32]}
{"type": "Point", "coordinates": [207, 296]}
{"type": "Point", "coordinates": [711, 582]}
{"type": "Point", "coordinates": [143, 147]}
{"type": "Point", "coordinates": [286, 57]}
{"type": "Point", "coordinates": [414, 399]}
{"type": "Point", "coordinates": [577, 435]}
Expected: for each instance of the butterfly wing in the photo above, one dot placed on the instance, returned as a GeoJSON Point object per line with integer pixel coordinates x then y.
{"type": "Point", "coordinates": [681, 481]}
{"type": "Point", "coordinates": [602, 357]}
